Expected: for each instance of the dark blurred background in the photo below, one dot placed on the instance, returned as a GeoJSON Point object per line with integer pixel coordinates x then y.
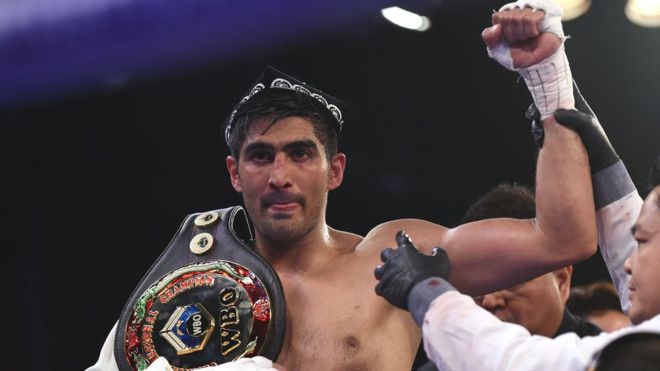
{"type": "Point", "coordinates": [110, 121]}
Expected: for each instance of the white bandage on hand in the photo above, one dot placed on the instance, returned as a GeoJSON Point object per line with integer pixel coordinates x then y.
{"type": "Point", "coordinates": [550, 81]}
{"type": "Point", "coordinates": [551, 84]}
{"type": "Point", "coordinates": [257, 363]}
{"type": "Point", "coordinates": [553, 13]}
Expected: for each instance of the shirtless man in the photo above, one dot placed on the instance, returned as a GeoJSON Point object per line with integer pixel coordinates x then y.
{"type": "Point", "coordinates": [284, 172]}
{"type": "Point", "coordinates": [284, 161]}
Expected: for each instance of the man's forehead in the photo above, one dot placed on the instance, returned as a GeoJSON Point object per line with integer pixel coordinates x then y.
{"type": "Point", "coordinates": [649, 217]}
{"type": "Point", "coordinates": [652, 201]}
{"type": "Point", "coordinates": [654, 196]}
{"type": "Point", "coordinates": [266, 125]}
{"type": "Point", "coordinates": [283, 132]}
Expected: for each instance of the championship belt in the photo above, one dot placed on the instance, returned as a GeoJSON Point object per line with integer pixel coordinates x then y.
{"type": "Point", "coordinates": [207, 300]}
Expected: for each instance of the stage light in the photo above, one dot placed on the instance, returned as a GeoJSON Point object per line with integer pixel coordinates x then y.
{"type": "Point", "coordinates": [573, 8]}
{"type": "Point", "coordinates": [644, 12]}
{"type": "Point", "coordinates": [406, 19]}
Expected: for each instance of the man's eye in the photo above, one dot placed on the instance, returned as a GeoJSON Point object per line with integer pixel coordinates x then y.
{"type": "Point", "coordinates": [299, 154]}
{"type": "Point", "coordinates": [640, 239]}
{"type": "Point", "coordinates": [259, 156]}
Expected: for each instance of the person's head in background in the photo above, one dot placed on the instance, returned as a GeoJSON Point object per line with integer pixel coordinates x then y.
{"type": "Point", "coordinates": [637, 351]}
{"type": "Point", "coordinates": [599, 304]}
{"type": "Point", "coordinates": [644, 263]}
{"type": "Point", "coordinates": [538, 304]}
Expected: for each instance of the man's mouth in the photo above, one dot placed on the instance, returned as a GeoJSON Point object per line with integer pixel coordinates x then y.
{"type": "Point", "coordinates": [281, 207]}
{"type": "Point", "coordinates": [281, 202]}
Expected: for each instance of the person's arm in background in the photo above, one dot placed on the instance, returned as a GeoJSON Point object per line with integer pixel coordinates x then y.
{"type": "Point", "coordinates": [616, 199]}
{"type": "Point", "coordinates": [460, 335]}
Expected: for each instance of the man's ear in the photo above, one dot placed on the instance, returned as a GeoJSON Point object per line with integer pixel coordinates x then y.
{"type": "Point", "coordinates": [336, 171]}
{"type": "Point", "coordinates": [232, 167]}
{"type": "Point", "coordinates": [563, 277]}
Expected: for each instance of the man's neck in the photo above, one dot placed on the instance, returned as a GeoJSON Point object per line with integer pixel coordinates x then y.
{"type": "Point", "coordinates": [296, 255]}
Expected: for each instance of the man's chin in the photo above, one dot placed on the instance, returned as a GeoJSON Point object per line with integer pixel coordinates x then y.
{"type": "Point", "coordinates": [281, 216]}
{"type": "Point", "coordinates": [278, 225]}
{"type": "Point", "coordinates": [636, 316]}
{"type": "Point", "coordinates": [281, 227]}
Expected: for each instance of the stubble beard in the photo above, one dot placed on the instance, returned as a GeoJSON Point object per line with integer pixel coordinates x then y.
{"type": "Point", "coordinates": [285, 228]}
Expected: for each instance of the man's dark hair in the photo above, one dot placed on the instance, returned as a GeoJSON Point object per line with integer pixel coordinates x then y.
{"type": "Point", "coordinates": [504, 201]}
{"type": "Point", "coordinates": [593, 299]}
{"type": "Point", "coordinates": [276, 104]}
{"type": "Point", "coordinates": [633, 352]}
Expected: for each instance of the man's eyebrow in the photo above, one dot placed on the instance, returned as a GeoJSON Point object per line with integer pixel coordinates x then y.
{"type": "Point", "coordinates": [301, 144]}
{"type": "Point", "coordinates": [259, 146]}
{"type": "Point", "coordinates": [637, 228]}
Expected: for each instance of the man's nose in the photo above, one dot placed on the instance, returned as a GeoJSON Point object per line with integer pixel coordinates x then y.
{"type": "Point", "coordinates": [280, 172]}
{"type": "Point", "coordinates": [492, 301]}
{"type": "Point", "coordinates": [627, 265]}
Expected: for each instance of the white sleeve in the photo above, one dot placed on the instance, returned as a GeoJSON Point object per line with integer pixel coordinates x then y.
{"type": "Point", "coordinates": [459, 335]}
{"type": "Point", "coordinates": [617, 207]}
{"type": "Point", "coordinates": [106, 361]}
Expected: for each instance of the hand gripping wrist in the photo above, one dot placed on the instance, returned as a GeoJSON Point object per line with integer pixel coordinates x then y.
{"type": "Point", "coordinates": [585, 123]}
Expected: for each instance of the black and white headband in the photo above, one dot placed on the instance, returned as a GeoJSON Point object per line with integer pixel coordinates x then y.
{"type": "Point", "coordinates": [272, 78]}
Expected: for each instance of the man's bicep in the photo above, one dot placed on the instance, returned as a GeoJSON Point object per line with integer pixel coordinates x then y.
{"type": "Point", "coordinates": [485, 256]}
{"type": "Point", "coordinates": [493, 254]}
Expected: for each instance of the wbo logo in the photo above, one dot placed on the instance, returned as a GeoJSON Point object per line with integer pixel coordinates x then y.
{"type": "Point", "coordinates": [189, 328]}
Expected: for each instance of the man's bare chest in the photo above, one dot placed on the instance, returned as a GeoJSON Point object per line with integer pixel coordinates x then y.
{"type": "Point", "coordinates": [334, 305]}
{"type": "Point", "coordinates": [338, 324]}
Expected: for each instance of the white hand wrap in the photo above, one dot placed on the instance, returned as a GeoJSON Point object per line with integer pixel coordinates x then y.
{"type": "Point", "coordinates": [550, 81]}
{"type": "Point", "coordinates": [257, 363]}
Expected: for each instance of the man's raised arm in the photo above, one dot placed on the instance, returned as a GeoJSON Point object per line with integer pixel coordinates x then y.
{"type": "Point", "coordinates": [530, 40]}
{"type": "Point", "coordinates": [493, 254]}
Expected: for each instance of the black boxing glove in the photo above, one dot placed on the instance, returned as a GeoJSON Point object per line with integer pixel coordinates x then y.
{"type": "Point", "coordinates": [406, 266]}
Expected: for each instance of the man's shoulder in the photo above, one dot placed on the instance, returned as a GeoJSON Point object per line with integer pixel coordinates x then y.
{"type": "Point", "coordinates": [424, 234]}
{"type": "Point", "coordinates": [346, 241]}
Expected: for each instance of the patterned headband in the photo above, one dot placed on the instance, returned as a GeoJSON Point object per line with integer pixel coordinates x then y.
{"type": "Point", "coordinates": [272, 78]}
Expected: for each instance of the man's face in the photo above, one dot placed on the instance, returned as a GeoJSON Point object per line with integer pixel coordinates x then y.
{"type": "Point", "coordinates": [644, 264]}
{"type": "Point", "coordinates": [284, 176]}
{"type": "Point", "coordinates": [537, 305]}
